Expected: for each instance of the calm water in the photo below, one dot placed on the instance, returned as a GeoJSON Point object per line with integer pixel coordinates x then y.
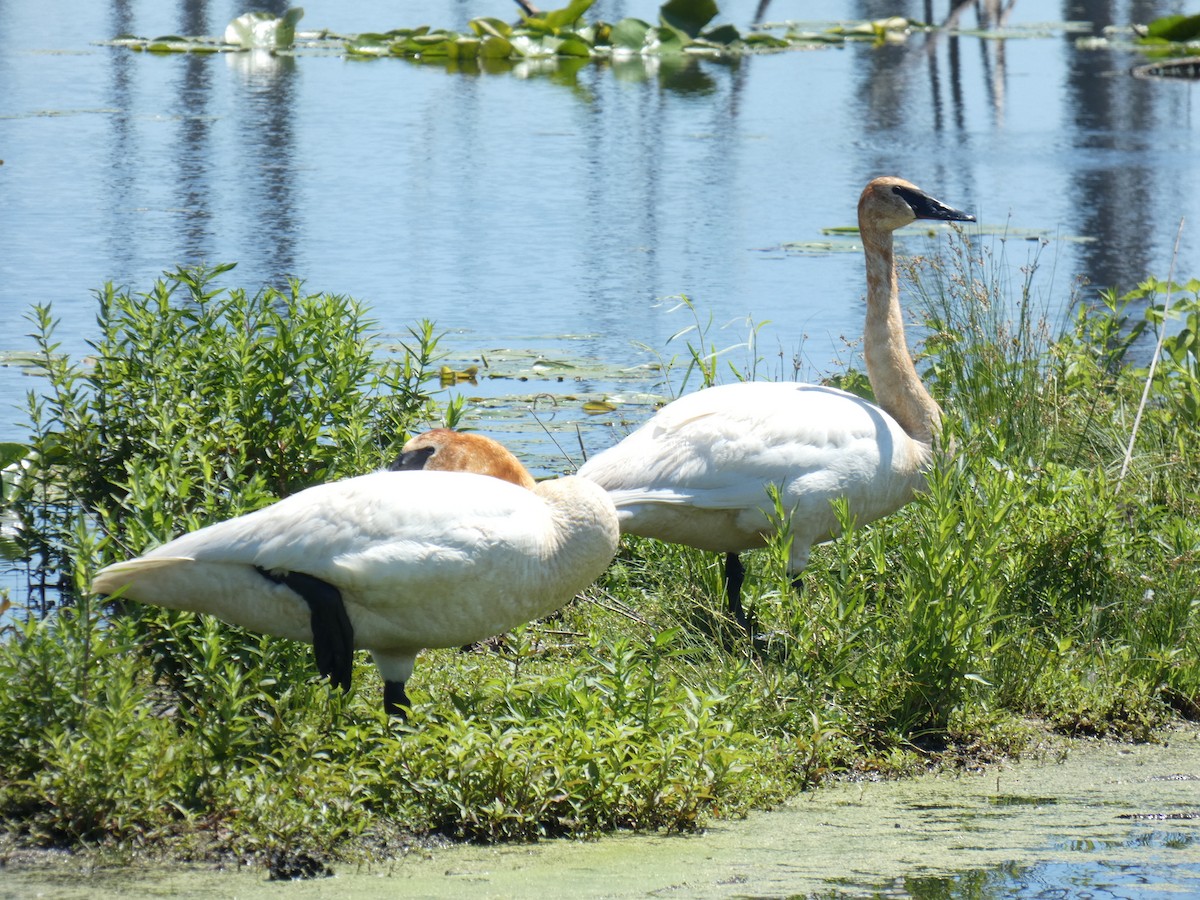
{"type": "Point", "coordinates": [515, 210]}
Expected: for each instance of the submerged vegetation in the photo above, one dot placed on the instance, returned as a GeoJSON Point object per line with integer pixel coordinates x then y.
{"type": "Point", "coordinates": [1040, 576]}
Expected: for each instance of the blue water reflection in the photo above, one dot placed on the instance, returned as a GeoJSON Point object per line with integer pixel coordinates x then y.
{"type": "Point", "coordinates": [1153, 876]}
{"type": "Point", "coordinates": [519, 206]}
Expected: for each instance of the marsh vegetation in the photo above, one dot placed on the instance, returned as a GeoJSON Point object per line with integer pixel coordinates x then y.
{"type": "Point", "coordinates": [1048, 572]}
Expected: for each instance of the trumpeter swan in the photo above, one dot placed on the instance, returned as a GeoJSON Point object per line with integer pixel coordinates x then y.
{"type": "Point", "coordinates": [390, 562]}
{"type": "Point", "coordinates": [697, 472]}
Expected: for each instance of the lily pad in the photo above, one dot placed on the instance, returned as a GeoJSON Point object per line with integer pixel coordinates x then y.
{"type": "Point", "coordinates": [595, 407]}
{"type": "Point", "coordinates": [630, 34]}
{"type": "Point", "coordinates": [558, 19]}
{"type": "Point", "coordinates": [688, 16]}
{"type": "Point", "coordinates": [28, 362]}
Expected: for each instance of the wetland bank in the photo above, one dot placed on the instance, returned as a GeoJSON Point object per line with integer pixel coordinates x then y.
{"type": "Point", "coordinates": [1044, 576]}
{"type": "Point", "coordinates": [1073, 816]}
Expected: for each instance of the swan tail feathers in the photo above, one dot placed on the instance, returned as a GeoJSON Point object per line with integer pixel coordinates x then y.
{"type": "Point", "coordinates": [112, 578]}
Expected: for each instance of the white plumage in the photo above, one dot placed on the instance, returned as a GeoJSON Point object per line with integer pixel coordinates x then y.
{"type": "Point", "coordinates": [697, 473]}
{"type": "Point", "coordinates": [415, 559]}
{"type": "Point", "coordinates": [708, 457]}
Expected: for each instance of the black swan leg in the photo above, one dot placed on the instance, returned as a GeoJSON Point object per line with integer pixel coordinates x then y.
{"type": "Point", "coordinates": [735, 574]}
{"type": "Point", "coordinates": [395, 700]}
{"type": "Point", "coordinates": [333, 635]}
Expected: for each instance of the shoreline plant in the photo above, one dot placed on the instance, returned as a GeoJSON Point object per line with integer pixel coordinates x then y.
{"type": "Point", "coordinates": [1028, 583]}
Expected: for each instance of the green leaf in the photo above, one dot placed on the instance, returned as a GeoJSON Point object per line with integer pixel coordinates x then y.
{"type": "Point", "coordinates": [574, 46]}
{"type": "Point", "coordinates": [495, 47]}
{"type": "Point", "coordinates": [435, 45]}
{"type": "Point", "coordinates": [488, 26]}
{"type": "Point", "coordinates": [368, 46]}
{"type": "Point", "coordinates": [433, 38]}
{"type": "Point", "coordinates": [688, 16]}
{"type": "Point", "coordinates": [11, 551]}
{"type": "Point", "coordinates": [565, 17]}
{"type": "Point", "coordinates": [170, 44]}
{"type": "Point", "coordinates": [291, 17]}
{"type": "Point", "coordinates": [723, 34]}
{"type": "Point", "coordinates": [464, 48]}
{"type": "Point", "coordinates": [630, 34]}
{"type": "Point", "coordinates": [11, 453]}
{"type": "Point", "coordinates": [670, 41]}
{"type": "Point", "coordinates": [763, 39]}
{"type": "Point", "coordinates": [1177, 29]}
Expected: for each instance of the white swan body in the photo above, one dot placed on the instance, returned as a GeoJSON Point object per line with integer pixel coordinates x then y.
{"type": "Point", "coordinates": [708, 459]}
{"type": "Point", "coordinates": [419, 559]}
{"type": "Point", "coordinates": [698, 471]}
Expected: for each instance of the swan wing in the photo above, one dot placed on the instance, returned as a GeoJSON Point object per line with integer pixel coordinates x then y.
{"type": "Point", "coordinates": [351, 525]}
{"type": "Point", "coordinates": [719, 447]}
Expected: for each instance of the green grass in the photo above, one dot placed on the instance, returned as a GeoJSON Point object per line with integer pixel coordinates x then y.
{"type": "Point", "coordinates": [1030, 581]}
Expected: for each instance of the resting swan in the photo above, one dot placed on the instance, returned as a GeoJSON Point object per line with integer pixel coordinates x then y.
{"type": "Point", "coordinates": [697, 472]}
{"type": "Point", "coordinates": [446, 450]}
{"type": "Point", "coordinates": [390, 562]}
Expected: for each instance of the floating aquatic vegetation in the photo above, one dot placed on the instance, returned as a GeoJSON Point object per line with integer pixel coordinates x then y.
{"type": "Point", "coordinates": [844, 238]}
{"type": "Point", "coordinates": [528, 394]}
{"type": "Point", "coordinates": [1170, 30]}
{"type": "Point", "coordinates": [448, 375]}
{"type": "Point", "coordinates": [1172, 42]}
{"type": "Point", "coordinates": [25, 360]}
{"type": "Point", "coordinates": [251, 31]}
{"type": "Point", "coordinates": [684, 27]}
{"type": "Point", "coordinates": [1027, 30]}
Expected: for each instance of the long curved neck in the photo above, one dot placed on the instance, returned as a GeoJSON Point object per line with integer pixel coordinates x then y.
{"type": "Point", "coordinates": [890, 368]}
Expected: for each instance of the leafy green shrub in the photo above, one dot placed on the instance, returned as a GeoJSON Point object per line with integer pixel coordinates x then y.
{"type": "Point", "coordinates": [616, 742]}
{"type": "Point", "coordinates": [85, 757]}
{"type": "Point", "coordinates": [203, 402]}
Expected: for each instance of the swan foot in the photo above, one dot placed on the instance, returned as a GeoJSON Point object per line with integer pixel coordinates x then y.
{"type": "Point", "coordinates": [333, 634]}
{"type": "Point", "coordinates": [395, 700]}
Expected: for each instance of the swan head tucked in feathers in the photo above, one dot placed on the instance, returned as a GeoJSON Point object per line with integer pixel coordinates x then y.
{"type": "Point", "coordinates": [889, 203]}
{"type": "Point", "coordinates": [578, 506]}
{"type": "Point", "coordinates": [444, 449]}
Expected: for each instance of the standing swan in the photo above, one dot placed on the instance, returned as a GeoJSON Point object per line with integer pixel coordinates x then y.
{"type": "Point", "coordinates": [697, 472]}
{"type": "Point", "coordinates": [390, 562]}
